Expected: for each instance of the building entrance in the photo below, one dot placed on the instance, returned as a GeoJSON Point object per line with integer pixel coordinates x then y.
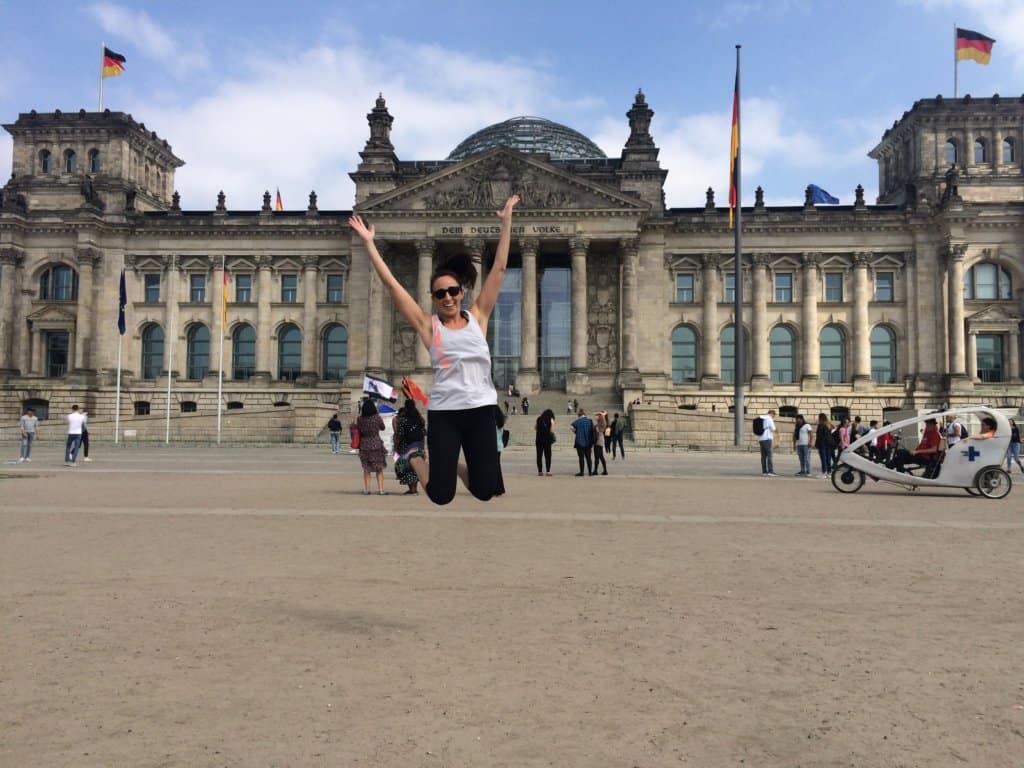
{"type": "Point", "coordinates": [555, 326]}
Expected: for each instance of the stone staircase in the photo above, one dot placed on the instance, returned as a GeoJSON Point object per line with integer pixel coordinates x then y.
{"type": "Point", "coordinates": [522, 426]}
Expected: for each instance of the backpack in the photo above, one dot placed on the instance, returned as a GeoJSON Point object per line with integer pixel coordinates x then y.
{"type": "Point", "coordinates": [963, 430]}
{"type": "Point", "coordinates": [759, 426]}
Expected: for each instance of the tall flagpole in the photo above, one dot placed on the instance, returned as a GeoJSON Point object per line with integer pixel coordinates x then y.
{"type": "Point", "coordinates": [738, 335]}
{"type": "Point", "coordinates": [223, 330]}
{"type": "Point", "coordinates": [122, 301]}
{"type": "Point", "coordinates": [103, 48]}
{"type": "Point", "coordinates": [170, 363]}
{"type": "Point", "coordinates": [955, 61]}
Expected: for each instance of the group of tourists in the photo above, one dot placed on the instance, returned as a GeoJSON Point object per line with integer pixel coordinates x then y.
{"type": "Point", "coordinates": [831, 439]}
{"type": "Point", "coordinates": [77, 435]}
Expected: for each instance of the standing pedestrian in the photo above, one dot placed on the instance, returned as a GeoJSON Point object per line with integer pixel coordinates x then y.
{"type": "Point", "coordinates": [29, 424]}
{"type": "Point", "coordinates": [1013, 449]}
{"type": "Point", "coordinates": [526, 407]}
{"type": "Point", "coordinates": [462, 400]}
{"type": "Point", "coordinates": [765, 440]}
{"type": "Point", "coordinates": [802, 443]}
{"type": "Point", "coordinates": [543, 440]}
{"type": "Point", "coordinates": [85, 435]}
{"type": "Point", "coordinates": [74, 421]}
{"type": "Point", "coordinates": [600, 427]}
{"type": "Point", "coordinates": [334, 428]}
{"type": "Point", "coordinates": [502, 441]}
{"type": "Point", "coordinates": [372, 457]}
{"type": "Point", "coordinates": [583, 429]}
{"type": "Point", "coordinates": [618, 436]}
{"type": "Point", "coordinates": [506, 407]}
{"type": "Point", "coordinates": [410, 435]}
{"type": "Point", "coordinates": [823, 442]}
{"type": "Point", "coordinates": [568, 407]}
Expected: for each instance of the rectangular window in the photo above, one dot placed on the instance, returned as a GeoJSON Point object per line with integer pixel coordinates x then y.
{"type": "Point", "coordinates": [784, 287]}
{"type": "Point", "coordinates": [730, 287]}
{"type": "Point", "coordinates": [152, 283]}
{"type": "Point", "coordinates": [334, 286]}
{"type": "Point", "coordinates": [197, 289]}
{"type": "Point", "coordinates": [289, 288]}
{"type": "Point", "coordinates": [884, 290]}
{"type": "Point", "coordinates": [990, 357]}
{"type": "Point", "coordinates": [684, 289]}
{"type": "Point", "coordinates": [243, 289]}
{"type": "Point", "coordinates": [834, 286]}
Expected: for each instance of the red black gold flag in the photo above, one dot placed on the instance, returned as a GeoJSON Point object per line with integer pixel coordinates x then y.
{"type": "Point", "coordinates": [734, 148]}
{"type": "Point", "coordinates": [973, 45]}
{"type": "Point", "coordinates": [113, 63]}
{"type": "Point", "coordinates": [278, 204]}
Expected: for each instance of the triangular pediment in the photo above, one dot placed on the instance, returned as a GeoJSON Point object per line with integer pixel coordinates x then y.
{"type": "Point", "coordinates": [194, 263]}
{"type": "Point", "coordinates": [242, 264]}
{"type": "Point", "coordinates": [52, 316]}
{"type": "Point", "coordinates": [146, 263]}
{"type": "Point", "coordinates": [483, 182]}
{"type": "Point", "coordinates": [992, 315]}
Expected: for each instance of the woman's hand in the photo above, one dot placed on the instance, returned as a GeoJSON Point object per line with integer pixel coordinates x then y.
{"type": "Point", "coordinates": [505, 214]}
{"type": "Point", "coordinates": [360, 228]}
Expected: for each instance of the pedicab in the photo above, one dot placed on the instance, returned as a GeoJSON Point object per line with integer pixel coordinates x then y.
{"type": "Point", "coordinates": [974, 464]}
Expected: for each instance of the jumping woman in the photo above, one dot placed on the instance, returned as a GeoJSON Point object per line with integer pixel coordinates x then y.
{"type": "Point", "coordinates": [462, 400]}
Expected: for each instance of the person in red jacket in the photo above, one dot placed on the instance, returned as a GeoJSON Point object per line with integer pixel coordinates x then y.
{"type": "Point", "coordinates": [928, 451]}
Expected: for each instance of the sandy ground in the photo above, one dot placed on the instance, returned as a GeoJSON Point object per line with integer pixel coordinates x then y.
{"type": "Point", "coordinates": [196, 607]}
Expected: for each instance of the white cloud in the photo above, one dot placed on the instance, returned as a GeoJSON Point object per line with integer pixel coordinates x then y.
{"type": "Point", "coordinates": [147, 36]}
{"type": "Point", "coordinates": [6, 153]}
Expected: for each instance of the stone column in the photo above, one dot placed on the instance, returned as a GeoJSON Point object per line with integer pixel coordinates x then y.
{"type": "Point", "coordinates": [88, 259]}
{"type": "Point", "coordinates": [528, 378]}
{"type": "Point", "coordinates": [710, 344]}
{"type": "Point", "coordinates": [23, 335]}
{"type": "Point", "coordinates": [997, 149]}
{"type": "Point", "coordinates": [171, 341]}
{"type": "Point", "coordinates": [1013, 356]}
{"type": "Point", "coordinates": [578, 378]}
{"type": "Point", "coordinates": [761, 369]}
{"type": "Point", "coordinates": [310, 337]}
{"type": "Point", "coordinates": [861, 329]}
{"type": "Point", "coordinates": [810, 361]}
{"type": "Point", "coordinates": [375, 333]}
{"type": "Point", "coordinates": [630, 374]}
{"type": "Point", "coordinates": [476, 252]}
{"type": "Point", "coordinates": [910, 311]}
{"type": "Point", "coordinates": [10, 258]}
{"type": "Point", "coordinates": [424, 269]}
{"type": "Point", "coordinates": [217, 326]}
{"type": "Point", "coordinates": [264, 350]}
{"type": "Point", "coordinates": [955, 284]}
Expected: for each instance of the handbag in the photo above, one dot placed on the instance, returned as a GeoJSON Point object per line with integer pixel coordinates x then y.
{"type": "Point", "coordinates": [353, 432]}
{"type": "Point", "coordinates": [552, 437]}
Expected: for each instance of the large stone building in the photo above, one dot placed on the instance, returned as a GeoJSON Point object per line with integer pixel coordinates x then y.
{"type": "Point", "coordinates": [910, 303]}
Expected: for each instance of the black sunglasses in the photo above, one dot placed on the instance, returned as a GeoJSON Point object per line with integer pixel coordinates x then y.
{"type": "Point", "coordinates": [451, 290]}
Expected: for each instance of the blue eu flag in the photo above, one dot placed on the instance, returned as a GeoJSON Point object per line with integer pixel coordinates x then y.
{"type": "Point", "coordinates": [819, 196]}
{"type": "Point", "coordinates": [122, 302]}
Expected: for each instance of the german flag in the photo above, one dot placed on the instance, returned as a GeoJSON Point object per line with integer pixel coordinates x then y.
{"type": "Point", "coordinates": [113, 63]}
{"type": "Point", "coordinates": [973, 45]}
{"type": "Point", "coordinates": [278, 204]}
{"type": "Point", "coordinates": [734, 147]}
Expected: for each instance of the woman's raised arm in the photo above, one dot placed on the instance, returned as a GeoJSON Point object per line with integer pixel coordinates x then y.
{"type": "Point", "coordinates": [488, 296]}
{"type": "Point", "coordinates": [406, 304]}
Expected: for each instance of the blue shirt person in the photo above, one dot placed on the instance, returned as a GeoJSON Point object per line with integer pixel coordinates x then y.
{"type": "Point", "coordinates": [583, 428]}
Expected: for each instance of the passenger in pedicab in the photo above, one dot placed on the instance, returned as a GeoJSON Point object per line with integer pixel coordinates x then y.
{"type": "Point", "coordinates": [988, 429]}
{"type": "Point", "coordinates": [928, 453]}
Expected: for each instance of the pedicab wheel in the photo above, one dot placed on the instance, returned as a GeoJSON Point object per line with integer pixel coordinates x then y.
{"type": "Point", "coordinates": [846, 479]}
{"type": "Point", "coordinates": [972, 490]}
{"type": "Point", "coordinates": [993, 482]}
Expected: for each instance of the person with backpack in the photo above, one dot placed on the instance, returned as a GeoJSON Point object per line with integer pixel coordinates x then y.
{"type": "Point", "coordinates": [764, 428]}
{"type": "Point", "coordinates": [334, 428]}
{"type": "Point", "coordinates": [618, 436]}
{"type": "Point", "coordinates": [955, 431]}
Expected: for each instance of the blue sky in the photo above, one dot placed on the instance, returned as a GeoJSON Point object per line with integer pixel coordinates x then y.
{"type": "Point", "coordinates": [258, 95]}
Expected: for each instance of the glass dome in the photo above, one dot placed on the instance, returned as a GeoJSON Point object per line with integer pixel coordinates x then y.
{"type": "Point", "coordinates": [530, 134]}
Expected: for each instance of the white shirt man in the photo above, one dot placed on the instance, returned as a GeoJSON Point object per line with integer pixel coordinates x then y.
{"type": "Point", "coordinates": [75, 420]}
{"type": "Point", "coordinates": [764, 442]}
{"type": "Point", "coordinates": [954, 431]}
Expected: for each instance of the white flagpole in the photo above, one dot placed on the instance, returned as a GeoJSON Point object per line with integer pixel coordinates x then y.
{"type": "Point", "coordinates": [103, 49]}
{"type": "Point", "coordinates": [223, 330]}
{"type": "Point", "coordinates": [120, 338]}
{"type": "Point", "coordinates": [170, 364]}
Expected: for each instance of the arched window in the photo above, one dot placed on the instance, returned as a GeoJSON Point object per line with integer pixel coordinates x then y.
{"type": "Point", "coordinates": [684, 354]}
{"type": "Point", "coordinates": [70, 161]}
{"type": "Point", "coordinates": [45, 161]}
{"type": "Point", "coordinates": [59, 283]}
{"type": "Point", "coordinates": [94, 161]}
{"type": "Point", "coordinates": [832, 354]}
{"type": "Point", "coordinates": [783, 355]}
{"type": "Point", "coordinates": [988, 281]}
{"type": "Point", "coordinates": [152, 351]}
{"type": "Point", "coordinates": [951, 153]}
{"type": "Point", "coordinates": [198, 351]}
{"type": "Point", "coordinates": [727, 342]}
{"type": "Point", "coordinates": [289, 352]}
{"type": "Point", "coordinates": [1009, 151]}
{"type": "Point", "coordinates": [883, 355]}
{"type": "Point", "coordinates": [980, 151]}
{"type": "Point", "coordinates": [243, 352]}
{"type": "Point", "coordinates": [335, 353]}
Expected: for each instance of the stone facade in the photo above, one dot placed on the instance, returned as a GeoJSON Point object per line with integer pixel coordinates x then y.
{"type": "Point", "coordinates": [909, 303]}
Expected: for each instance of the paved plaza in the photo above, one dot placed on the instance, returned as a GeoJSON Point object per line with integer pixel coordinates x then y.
{"type": "Point", "coordinates": [196, 606]}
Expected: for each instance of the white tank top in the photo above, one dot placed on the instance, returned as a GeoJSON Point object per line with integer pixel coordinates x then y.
{"type": "Point", "coordinates": [462, 367]}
